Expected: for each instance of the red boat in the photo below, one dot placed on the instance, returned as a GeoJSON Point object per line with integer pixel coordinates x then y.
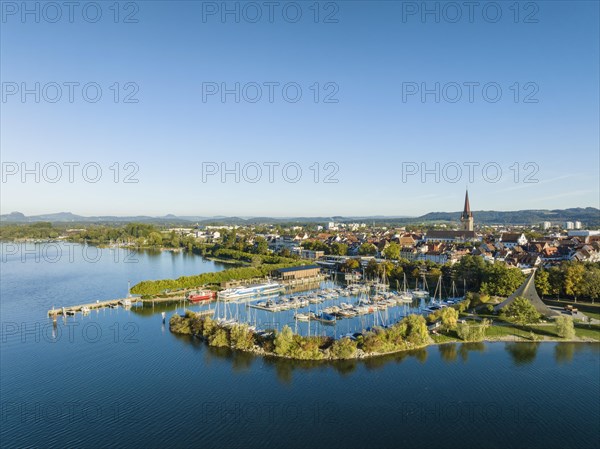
{"type": "Point", "coordinates": [201, 295]}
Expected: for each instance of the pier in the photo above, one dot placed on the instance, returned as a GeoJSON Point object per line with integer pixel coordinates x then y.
{"type": "Point", "coordinates": [112, 303]}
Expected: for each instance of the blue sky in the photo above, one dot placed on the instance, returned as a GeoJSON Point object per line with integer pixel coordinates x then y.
{"type": "Point", "coordinates": [369, 56]}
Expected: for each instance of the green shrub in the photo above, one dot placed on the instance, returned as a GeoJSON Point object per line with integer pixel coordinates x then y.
{"type": "Point", "coordinates": [521, 311]}
{"type": "Point", "coordinates": [220, 338]}
{"type": "Point", "coordinates": [180, 325]}
{"type": "Point", "coordinates": [565, 327]}
{"type": "Point", "coordinates": [283, 341]}
{"type": "Point", "coordinates": [472, 331]}
{"type": "Point", "coordinates": [344, 348]}
{"type": "Point", "coordinates": [241, 337]}
{"type": "Point", "coordinates": [209, 328]}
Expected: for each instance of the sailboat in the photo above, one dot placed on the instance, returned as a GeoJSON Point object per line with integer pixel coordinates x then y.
{"type": "Point", "coordinates": [418, 293]}
{"type": "Point", "coordinates": [437, 305]}
{"type": "Point", "coordinates": [454, 298]}
{"type": "Point", "coordinates": [405, 296]}
{"type": "Point", "coordinates": [126, 302]}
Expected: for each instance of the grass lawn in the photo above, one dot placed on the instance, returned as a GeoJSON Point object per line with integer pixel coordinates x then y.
{"type": "Point", "coordinates": [441, 338]}
{"type": "Point", "coordinates": [584, 331]}
{"type": "Point", "coordinates": [592, 314]}
{"type": "Point", "coordinates": [505, 331]}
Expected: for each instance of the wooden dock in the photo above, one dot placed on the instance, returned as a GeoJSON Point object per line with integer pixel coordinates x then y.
{"type": "Point", "coordinates": [290, 286]}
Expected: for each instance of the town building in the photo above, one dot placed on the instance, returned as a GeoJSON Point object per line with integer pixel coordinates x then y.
{"type": "Point", "coordinates": [465, 234]}
{"type": "Point", "coordinates": [295, 273]}
{"type": "Point", "coordinates": [512, 239]}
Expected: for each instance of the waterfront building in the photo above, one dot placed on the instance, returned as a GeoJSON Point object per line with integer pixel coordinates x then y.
{"type": "Point", "coordinates": [294, 273]}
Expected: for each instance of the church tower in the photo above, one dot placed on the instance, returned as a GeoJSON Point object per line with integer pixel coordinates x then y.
{"type": "Point", "coordinates": [466, 218]}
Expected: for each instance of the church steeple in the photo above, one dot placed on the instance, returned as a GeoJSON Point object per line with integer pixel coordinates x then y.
{"type": "Point", "coordinates": [467, 216]}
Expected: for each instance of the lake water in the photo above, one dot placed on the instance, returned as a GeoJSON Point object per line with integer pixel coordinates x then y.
{"type": "Point", "coordinates": [120, 378]}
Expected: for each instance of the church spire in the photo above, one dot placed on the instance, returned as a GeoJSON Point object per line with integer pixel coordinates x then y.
{"type": "Point", "coordinates": [467, 211]}
{"type": "Point", "coordinates": [467, 216]}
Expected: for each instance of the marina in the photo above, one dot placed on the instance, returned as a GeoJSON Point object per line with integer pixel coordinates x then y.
{"type": "Point", "coordinates": [319, 310]}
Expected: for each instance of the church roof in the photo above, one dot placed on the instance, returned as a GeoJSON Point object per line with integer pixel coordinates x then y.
{"type": "Point", "coordinates": [527, 290]}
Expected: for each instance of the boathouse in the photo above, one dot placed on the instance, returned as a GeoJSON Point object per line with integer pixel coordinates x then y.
{"type": "Point", "coordinates": [294, 273]}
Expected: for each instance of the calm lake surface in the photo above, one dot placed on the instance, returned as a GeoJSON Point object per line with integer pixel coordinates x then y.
{"type": "Point", "coordinates": [120, 378]}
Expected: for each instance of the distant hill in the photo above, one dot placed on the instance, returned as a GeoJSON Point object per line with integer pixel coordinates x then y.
{"type": "Point", "coordinates": [588, 216]}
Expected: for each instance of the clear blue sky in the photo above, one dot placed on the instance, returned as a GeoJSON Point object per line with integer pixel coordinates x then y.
{"type": "Point", "coordinates": [369, 133]}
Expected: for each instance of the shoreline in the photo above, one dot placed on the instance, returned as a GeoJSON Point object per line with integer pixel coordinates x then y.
{"type": "Point", "coordinates": [325, 355]}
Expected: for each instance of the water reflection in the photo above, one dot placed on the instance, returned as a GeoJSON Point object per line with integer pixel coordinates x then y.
{"type": "Point", "coordinates": [522, 353]}
{"type": "Point", "coordinates": [465, 348]}
{"type": "Point", "coordinates": [449, 352]}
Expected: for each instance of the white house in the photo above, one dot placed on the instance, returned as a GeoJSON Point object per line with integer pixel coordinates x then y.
{"type": "Point", "coordinates": [512, 239]}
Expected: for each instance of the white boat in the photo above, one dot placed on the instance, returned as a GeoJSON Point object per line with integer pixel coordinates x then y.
{"type": "Point", "coordinates": [250, 291]}
{"type": "Point", "coordinates": [125, 302]}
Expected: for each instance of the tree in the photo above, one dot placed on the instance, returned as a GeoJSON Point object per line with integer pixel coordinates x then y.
{"type": "Point", "coordinates": [155, 239]}
{"type": "Point", "coordinates": [350, 265]}
{"type": "Point", "coordinates": [392, 251]}
{"type": "Point", "coordinates": [471, 268]}
{"type": "Point", "coordinates": [241, 337]}
{"type": "Point", "coordinates": [372, 269]}
{"type": "Point", "coordinates": [449, 317]}
{"type": "Point", "coordinates": [555, 279]}
{"type": "Point", "coordinates": [416, 330]}
{"type": "Point", "coordinates": [574, 279]}
{"type": "Point", "coordinates": [591, 283]}
{"type": "Point", "coordinates": [501, 280]}
{"type": "Point", "coordinates": [367, 249]}
{"type": "Point", "coordinates": [565, 327]}
{"type": "Point", "coordinates": [262, 247]}
{"type": "Point", "coordinates": [338, 249]}
{"type": "Point", "coordinates": [521, 311]}
{"type": "Point", "coordinates": [542, 282]}
{"type": "Point", "coordinates": [284, 341]}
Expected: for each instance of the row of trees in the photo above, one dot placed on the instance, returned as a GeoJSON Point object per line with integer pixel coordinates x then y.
{"type": "Point", "coordinates": [574, 279]}
{"type": "Point", "coordinates": [409, 333]}
{"type": "Point", "coordinates": [42, 230]}
{"type": "Point", "coordinates": [213, 278]}
{"type": "Point", "coordinates": [341, 249]}
{"type": "Point", "coordinates": [491, 279]}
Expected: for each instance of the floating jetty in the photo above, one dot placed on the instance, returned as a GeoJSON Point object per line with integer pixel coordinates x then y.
{"type": "Point", "coordinates": [112, 303]}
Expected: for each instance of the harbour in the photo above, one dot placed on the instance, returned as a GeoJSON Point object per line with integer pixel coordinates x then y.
{"type": "Point", "coordinates": [262, 395]}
